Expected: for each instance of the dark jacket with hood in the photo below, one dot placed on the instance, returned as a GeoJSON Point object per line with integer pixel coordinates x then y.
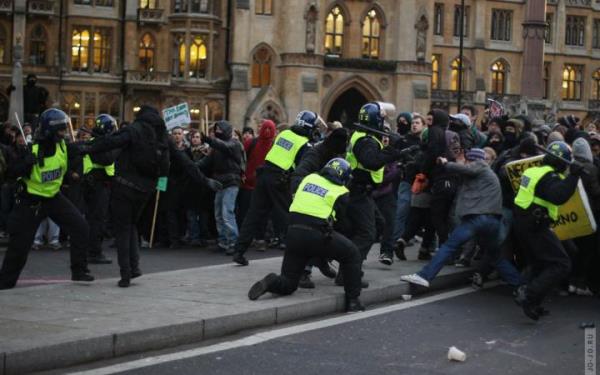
{"type": "Point", "coordinates": [130, 140]}
{"type": "Point", "coordinates": [224, 163]}
{"type": "Point", "coordinates": [436, 145]}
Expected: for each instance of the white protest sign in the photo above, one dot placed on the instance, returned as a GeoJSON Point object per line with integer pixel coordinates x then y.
{"type": "Point", "coordinates": [178, 115]}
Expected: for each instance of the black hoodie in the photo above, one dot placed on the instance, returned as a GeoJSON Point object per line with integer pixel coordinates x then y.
{"type": "Point", "coordinates": [436, 144]}
{"type": "Point", "coordinates": [224, 164]}
{"type": "Point", "coordinates": [130, 140]}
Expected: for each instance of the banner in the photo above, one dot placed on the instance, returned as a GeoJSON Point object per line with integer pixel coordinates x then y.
{"type": "Point", "coordinates": [575, 218]}
{"type": "Point", "coordinates": [178, 115]}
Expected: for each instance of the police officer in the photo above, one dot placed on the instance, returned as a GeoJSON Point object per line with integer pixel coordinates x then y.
{"type": "Point", "coordinates": [367, 157]}
{"type": "Point", "coordinates": [98, 170]}
{"type": "Point", "coordinates": [42, 171]}
{"type": "Point", "coordinates": [320, 199]}
{"type": "Point", "coordinates": [272, 185]}
{"type": "Point", "coordinates": [144, 156]}
{"type": "Point", "coordinates": [543, 189]}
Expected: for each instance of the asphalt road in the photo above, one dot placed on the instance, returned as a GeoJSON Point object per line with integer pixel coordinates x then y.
{"type": "Point", "coordinates": [47, 266]}
{"type": "Point", "coordinates": [487, 325]}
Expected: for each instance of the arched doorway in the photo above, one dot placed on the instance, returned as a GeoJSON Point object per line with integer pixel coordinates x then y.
{"type": "Point", "coordinates": [345, 108]}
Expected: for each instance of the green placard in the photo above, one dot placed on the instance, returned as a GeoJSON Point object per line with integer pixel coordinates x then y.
{"type": "Point", "coordinates": [161, 185]}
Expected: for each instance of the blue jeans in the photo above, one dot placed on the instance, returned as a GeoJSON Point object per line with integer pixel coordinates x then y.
{"type": "Point", "coordinates": [196, 224]}
{"type": "Point", "coordinates": [402, 209]}
{"type": "Point", "coordinates": [486, 229]}
{"type": "Point", "coordinates": [225, 216]}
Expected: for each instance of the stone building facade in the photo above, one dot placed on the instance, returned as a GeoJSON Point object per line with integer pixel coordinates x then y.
{"type": "Point", "coordinates": [111, 56]}
{"type": "Point", "coordinates": [536, 56]}
{"type": "Point", "coordinates": [249, 59]}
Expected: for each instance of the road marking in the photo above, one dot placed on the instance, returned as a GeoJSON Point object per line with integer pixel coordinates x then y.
{"type": "Point", "coordinates": [274, 334]}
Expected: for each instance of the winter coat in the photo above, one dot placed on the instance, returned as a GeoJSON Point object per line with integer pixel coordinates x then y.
{"type": "Point", "coordinates": [256, 150]}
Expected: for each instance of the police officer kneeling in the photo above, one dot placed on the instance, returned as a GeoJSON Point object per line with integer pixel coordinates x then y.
{"type": "Point", "coordinates": [543, 189]}
{"type": "Point", "coordinates": [320, 199]}
{"type": "Point", "coordinates": [41, 172]}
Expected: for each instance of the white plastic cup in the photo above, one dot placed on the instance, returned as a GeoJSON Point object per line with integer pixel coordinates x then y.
{"type": "Point", "coordinates": [456, 355]}
{"type": "Point", "coordinates": [406, 297]}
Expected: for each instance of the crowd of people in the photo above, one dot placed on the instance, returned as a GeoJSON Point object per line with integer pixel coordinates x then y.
{"type": "Point", "coordinates": [435, 179]}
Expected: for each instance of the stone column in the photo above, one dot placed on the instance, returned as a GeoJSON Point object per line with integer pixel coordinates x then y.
{"type": "Point", "coordinates": [532, 86]}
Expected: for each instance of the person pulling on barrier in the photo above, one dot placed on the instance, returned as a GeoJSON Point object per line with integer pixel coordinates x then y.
{"type": "Point", "coordinates": [542, 191]}
{"type": "Point", "coordinates": [319, 202]}
{"type": "Point", "coordinates": [272, 181]}
{"type": "Point", "coordinates": [98, 171]}
{"type": "Point", "coordinates": [367, 157]}
{"type": "Point", "coordinates": [41, 171]}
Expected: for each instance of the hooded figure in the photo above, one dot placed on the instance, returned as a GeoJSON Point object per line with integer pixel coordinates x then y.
{"type": "Point", "coordinates": [256, 150]}
{"type": "Point", "coordinates": [403, 122]}
{"type": "Point", "coordinates": [224, 164]}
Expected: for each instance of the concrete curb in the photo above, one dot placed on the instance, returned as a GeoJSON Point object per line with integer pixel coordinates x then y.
{"type": "Point", "coordinates": [118, 344]}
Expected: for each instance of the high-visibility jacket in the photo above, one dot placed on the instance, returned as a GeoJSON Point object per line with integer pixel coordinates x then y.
{"type": "Point", "coordinates": [316, 197]}
{"type": "Point", "coordinates": [526, 194]}
{"type": "Point", "coordinates": [45, 181]}
{"type": "Point", "coordinates": [89, 165]}
{"type": "Point", "coordinates": [376, 176]}
{"type": "Point", "coordinates": [285, 148]}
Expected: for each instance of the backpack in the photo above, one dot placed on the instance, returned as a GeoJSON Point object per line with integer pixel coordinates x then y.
{"type": "Point", "coordinates": [147, 152]}
{"type": "Point", "coordinates": [453, 144]}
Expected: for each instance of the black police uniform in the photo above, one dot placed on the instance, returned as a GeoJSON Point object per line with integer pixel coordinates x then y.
{"type": "Point", "coordinates": [29, 211]}
{"type": "Point", "coordinates": [271, 195]}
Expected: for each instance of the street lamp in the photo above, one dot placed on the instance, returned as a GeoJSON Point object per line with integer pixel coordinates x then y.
{"type": "Point", "coordinates": [460, 54]}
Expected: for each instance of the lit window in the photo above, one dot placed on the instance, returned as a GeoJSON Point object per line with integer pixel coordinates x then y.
{"type": "Point", "coordinates": [572, 82]}
{"type": "Point", "coordinates": [371, 35]}
{"type": "Point", "coordinates": [334, 32]}
{"type": "Point", "coordinates": [148, 4]}
{"type": "Point", "coordinates": [435, 72]}
{"type": "Point", "coordinates": [197, 58]}
{"type": "Point", "coordinates": [498, 78]}
{"type": "Point", "coordinates": [454, 74]}
{"type": "Point", "coordinates": [596, 85]}
{"type": "Point", "coordinates": [261, 68]}
{"type": "Point", "coordinates": [80, 47]}
{"type": "Point", "coordinates": [101, 46]}
{"type": "Point", "coordinates": [147, 52]}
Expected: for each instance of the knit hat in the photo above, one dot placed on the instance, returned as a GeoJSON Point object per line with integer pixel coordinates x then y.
{"type": "Point", "coordinates": [582, 150]}
{"type": "Point", "coordinates": [475, 154]}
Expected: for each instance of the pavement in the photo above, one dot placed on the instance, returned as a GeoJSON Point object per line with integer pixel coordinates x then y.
{"type": "Point", "coordinates": [60, 325]}
{"type": "Point", "coordinates": [486, 325]}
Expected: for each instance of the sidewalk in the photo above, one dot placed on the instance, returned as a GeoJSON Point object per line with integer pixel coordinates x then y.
{"type": "Point", "coordinates": [56, 326]}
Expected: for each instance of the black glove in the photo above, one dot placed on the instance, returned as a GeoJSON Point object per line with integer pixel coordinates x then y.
{"type": "Point", "coordinates": [396, 141]}
{"type": "Point", "coordinates": [214, 185]}
{"type": "Point", "coordinates": [576, 169]}
{"type": "Point", "coordinates": [29, 159]}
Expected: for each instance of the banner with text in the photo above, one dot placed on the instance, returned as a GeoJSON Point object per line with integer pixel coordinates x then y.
{"type": "Point", "coordinates": [575, 218]}
{"type": "Point", "coordinates": [178, 115]}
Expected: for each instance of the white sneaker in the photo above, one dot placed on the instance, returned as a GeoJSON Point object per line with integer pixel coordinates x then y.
{"type": "Point", "coordinates": [584, 292]}
{"type": "Point", "coordinates": [415, 279]}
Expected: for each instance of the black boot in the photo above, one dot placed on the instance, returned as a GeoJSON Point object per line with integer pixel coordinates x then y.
{"type": "Point", "coordinates": [124, 283]}
{"type": "Point", "coordinates": [305, 281]}
{"type": "Point", "coordinates": [82, 276]}
{"type": "Point", "coordinates": [261, 287]}
{"type": "Point", "coordinates": [99, 259]}
{"type": "Point", "coordinates": [400, 245]}
{"type": "Point", "coordinates": [240, 259]}
{"type": "Point", "coordinates": [354, 305]}
{"type": "Point", "coordinates": [530, 309]}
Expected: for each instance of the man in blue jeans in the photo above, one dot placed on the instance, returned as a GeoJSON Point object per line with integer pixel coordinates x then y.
{"type": "Point", "coordinates": [479, 207]}
{"type": "Point", "coordinates": [224, 164]}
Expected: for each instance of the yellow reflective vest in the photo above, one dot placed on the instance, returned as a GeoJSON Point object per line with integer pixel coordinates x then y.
{"type": "Point", "coordinates": [316, 197]}
{"type": "Point", "coordinates": [285, 148]}
{"type": "Point", "coordinates": [45, 181]}
{"type": "Point", "coordinates": [526, 194]}
{"type": "Point", "coordinates": [89, 165]}
{"type": "Point", "coordinates": [376, 176]}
